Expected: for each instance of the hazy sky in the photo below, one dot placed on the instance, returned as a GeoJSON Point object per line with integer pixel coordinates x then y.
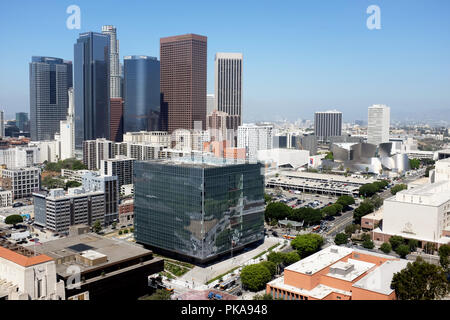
{"type": "Point", "coordinates": [299, 56]}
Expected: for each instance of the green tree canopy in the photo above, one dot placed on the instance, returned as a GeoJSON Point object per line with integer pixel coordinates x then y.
{"type": "Point", "coordinates": [351, 229]}
{"type": "Point", "coordinates": [420, 281]}
{"type": "Point", "coordinates": [72, 184]}
{"type": "Point", "coordinates": [277, 210]}
{"type": "Point", "coordinates": [413, 244]}
{"type": "Point", "coordinates": [398, 187]}
{"type": "Point", "coordinates": [14, 219]}
{"type": "Point", "coordinates": [368, 244]}
{"type": "Point", "coordinates": [267, 198]}
{"type": "Point", "coordinates": [97, 226]}
{"type": "Point", "coordinates": [269, 265]}
{"type": "Point", "coordinates": [386, 247]}
{"type": "Point", "coordinates": [160, 294]}
{"type": "Point", "coordinates": [444, 256]}
{"type": "Point", "coordinates": [307, 244]}
{"type": "Point", "coordinates": [255, 276]}
{"type": "Point", "coordinates": [414, 163]}
{"type": "Point", "coordinates": [345, 201]}
{"type": "Point", "coordinates": [363, 209]}
{"type": "Point", "coordinates": [368, 189]}
{"type": "Point", "coordinates": [395, 241]}
{"type": "Point", "coordinates": [329, 156]}
{"type": "Point", "coordinates": [264, 296]}
{"type": "Point", "coordinates": [290, 258]}
{"type": "Point", "coordinates": [402, 250]}
{"type": "Point", "coordinates": [275, 257]}
{"type": "Point", "coordinates": [341, 238]}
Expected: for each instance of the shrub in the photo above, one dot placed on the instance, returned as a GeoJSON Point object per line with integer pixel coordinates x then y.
{"type": "Point", "coordinates": [386, 247]}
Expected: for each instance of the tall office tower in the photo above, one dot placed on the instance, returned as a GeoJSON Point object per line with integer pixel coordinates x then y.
{"type": "Point", "coordinates": [50, 78]}
{"type": "Point", "coordinates": [116, 120]}
{"type": "Point", "coordinates": [183, 82]}
{"type": "Point", "coordinates": [2, 124]}
{"type": "Point", "coordinates": [67, 131]}
{"type": "Point", "coordinates": [378, 124]}
{"type": "Point", "coordinates": [121, 167]}
{"type": "Point", "coordinates": [228, 84]}
{"type": "Point", "coordinates": [92, 105]}
{"type": "Point", "coordinates": [141, 93]}
{"type": "Point", "coordinates": [114, 65]}
{"type": "Point", "coordinates": [176, 209]}
{"type": "Point", "coordinates": [253, 138]}
{"type": "Point", "coordinates": [327, 124]}
{"type": "Point", "coordinates": [21, 120]}
{"type": "Point", "coordinates": [210, 103]}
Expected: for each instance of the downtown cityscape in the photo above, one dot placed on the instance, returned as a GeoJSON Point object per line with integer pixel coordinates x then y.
{"type": "Point", "coordinates": [175, 173]}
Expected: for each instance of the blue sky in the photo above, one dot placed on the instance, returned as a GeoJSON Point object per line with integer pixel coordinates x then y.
{"type": "Point", "coordinates": [299, 56]}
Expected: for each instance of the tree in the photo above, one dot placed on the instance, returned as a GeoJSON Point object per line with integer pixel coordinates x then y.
{"type": "Point", "coordinates": [264, 296]}
{"type": "Point", "coordinates": [255, 276]}
{"type": "Point", "coordinates": [376, 201]}
{"type": "Point", "coordinates": [398, 187]}
{"type": "Point", "coordinates": [368, 190]}
{"type": "Point", "coordinates": [351, 229]}
{"type": "Point", "coordinates": [395, 241]}
{"type": "Point", "coordinates": [414, 163]}
{"type": "Point", "coordinates": [444, 256]}
{"type": "Point", "coordinates": [413, 244]}
{"type": "Point", "coordinates": [363, 209]}
{"type": "Point", "coordinates": [159, 294]}
{"type": "Point", "coordinates": [97, 226]}
{"type": "Point", "coordinates": [14, 219]}
{"type": "Point", "coordinates": [386, 247]}
{"type": "Point", "coordinates": [72, 184]}
{"type": "Point", "coordinates": [420, 281]}
{"type": "Point", "coordinates": [277, 210]}
{"type": "Point", "coordinates": [275, 257]}
{"type": "Point", "coordinates": [402, 250]}
{"type": "Point", "coordinates": [307, 244]}
{"type": "Point", "coordinates": [341, 238]}
{"type": "Point", "coordinates": [114, 225]}
{"type": "Point", "coordinates": [267, 198]}
{"type": "Point", "coordinates": [429, 247]}
{"type": "Point", "coordinates": [290, 258]}
{"type": "Point", "coordinates": [345, 201]}
{"type": "Point", "coordinates": [269, 265]}
{"type": "Point", "coordinates": [368, 244]}
{"type": "Point", "coordinates": [329, 156]}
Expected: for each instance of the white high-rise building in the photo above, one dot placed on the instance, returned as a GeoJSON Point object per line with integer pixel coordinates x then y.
{"type": "Point", "coordinates": [114, 66]}
{"type": "Point", "coordinates": [253, 138]}
{"type": "Point", "coordinates": [378, 124]}
{"type": "Point", "coordinates": [67, 131]}
{"type": "Point", "coordinates": [210, 103]}
{"type": "Point", "coordinates": [228, 83]}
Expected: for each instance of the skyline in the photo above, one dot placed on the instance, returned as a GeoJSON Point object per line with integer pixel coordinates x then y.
{"type": "Point", "coordinates": [334, 52]}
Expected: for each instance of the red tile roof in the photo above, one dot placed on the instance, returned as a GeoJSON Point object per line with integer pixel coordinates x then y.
{"type": "Point", "coordinates": [21, 259]}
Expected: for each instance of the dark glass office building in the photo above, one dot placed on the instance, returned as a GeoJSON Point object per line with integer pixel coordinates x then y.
{"type": "Point", "coordinates": [141, 93]}
{"type": "Point", "coordinates": [196, 209]}
{"type": "Point", "coordinates": [22, 121]}
{"type": "Point", "coordinates": [50, 80]}
{"type": "Point", "coordinates": [91, 86]}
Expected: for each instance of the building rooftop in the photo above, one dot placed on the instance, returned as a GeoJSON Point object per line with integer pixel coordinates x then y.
{"type": "Point", "coordinates": [349, 270]}
{"type": "Point", "coordinates": [320, 260]}
{"type": "Point", "coordinates": [431, 194]}
{"type": "Point", "coordinates": [115, 250]}
{"type": "Point", "coordinates": [379, 279]}
{"type": "Point", "coordinates": [199, 161]}
{"type": "Point", "coordinates": [20, 255]}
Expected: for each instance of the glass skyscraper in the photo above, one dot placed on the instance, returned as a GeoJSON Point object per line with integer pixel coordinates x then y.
{"type": "Point", "coordinates": [141, 93]}
{"type": "Point", "coordinates": [198, 209]}
{"type": "Point", "coordinates": [50, 80]}
{"type": "Point", "coordinates": [22, 121]}
{"type": "Point", "coordinates": [92, 82]}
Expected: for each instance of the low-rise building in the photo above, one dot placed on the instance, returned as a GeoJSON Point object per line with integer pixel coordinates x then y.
{"type": "Point", "coordinates": [6, 198]}
{"type": "Point", "coordinates": [338, 273]}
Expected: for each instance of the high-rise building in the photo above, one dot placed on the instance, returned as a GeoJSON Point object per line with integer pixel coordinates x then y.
{"type": "Point", "coordinates": [183, 82]}
{"type": "Point", "coordinates": [253, 138]}
{"type": "Point", "coordinates": [378, 124]}
{"type": "Point", "coordinates": [198, 208]}
{"type": "Point", "coordinates": [228, 83]}
{"type": "Point", "coordinates": [117, 119]}
{"type": "Point", "coordinates": [210, 103]}
{"type": "Point", "coordinates": [121, 167]}
{"type": "Point", "coordinates": [22, 120]}
{"type": "Point", "coordinates": [2, 124]}
{"type": "Point", "coordinates": [92, 82]}
{"type": "Point", "coordinates": [327, 124]}
{"type": "Point", "coordinates": [142, 95]}
{"type": "Point", "coordinates": [114, 65]}
{"type": "Point", "coordinates": [67, 131]}
{"type": "Point", "coordinates": [50, 78]}
{"type": "Point", "coordinates": [22, 182]}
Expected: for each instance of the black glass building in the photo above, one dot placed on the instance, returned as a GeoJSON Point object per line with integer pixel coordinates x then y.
{"type": "Point", "coordinates": [196, 209]}
{"type": "Point", "coordinates": [91, 87]}
{"type": "Point", "coordinates": [50, 80]}
{"type": "Point", "coordinates": [141, 94]}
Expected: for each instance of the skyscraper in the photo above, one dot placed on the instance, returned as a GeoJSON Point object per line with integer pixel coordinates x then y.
{"type": "Point", "coordinates": [141, 93]}
{"type": "Point", "coordinates": [183, 82]}
{"type": "Point", "coordinates": [50, 78]}
{"type": "Point", "coordinates": [114, 65]}
{"type": "Point", "coordinates": [378, 124]}
{"type": "Point", "coordinates": [116, 120]}
{"type": "Point", "coordinates": [22, 120]}
{"type": "Point", "coordinates": [91, 75]}
{"type": "Point", "coordinates": [2, 124]}
{"type": "Point", "coordinates": [327, 124]}
{"type": "Point", "coordinates": [253, 138]}
{"type": "Point", "coordinates": [228, 83]}
{"type": "Point", "coordinates": [67, 131]}
{"type": "Point", "coordinates": [210, 104]}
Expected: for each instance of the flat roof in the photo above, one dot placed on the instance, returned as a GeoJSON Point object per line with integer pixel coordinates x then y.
{"type": "Point", "coordinates": [379, 280]}
{"type": "Point", "coordinates": [320, 260]}
{"type": "Point", "coordinates": [329, 177]}
{"type": "Point", "coordinates": [116, 250]}
{"type": "Point", "coordinates": [356, 267]}
{"type": "Point", "coordinates": [198, 161]}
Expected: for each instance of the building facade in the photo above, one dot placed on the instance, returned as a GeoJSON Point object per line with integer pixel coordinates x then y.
{"type": "Point", "coordinates": [117, 119]}
{"type": "Point", "coordinates": [92, 87]}
{"type": "Point", "coordinates": [327, 124]}
{"type": "Point", "coordinates": [142, 95]}
{"type": "Point", "coordinates": [114, 66]}
{"type": "Point", "coordinates": [22, 121]}
{"type": "Point", "coordinates": [197, 209]}
{"type": "Point", "coordinates": [378, 124]}
{"type": "Point", "coordinates": [67, 131]}
{"type": "Point", "coordinates": [253, 138]}
{"type": "Point", "coordinates": [22, 182]}
{"type": "Point", "coordinates": [121, 167]}
{"type": "Point", "coordinates": [50, 79]}
{"type": "Point", "coordinates": [183, 82]}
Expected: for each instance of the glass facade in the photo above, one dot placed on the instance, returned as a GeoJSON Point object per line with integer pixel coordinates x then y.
{"type": "Point", "coordinates": [91, 87]}
{"type": "Point", "coordinates": [141, 94]}
{"type": "Point", "coordinates": [198, 210]}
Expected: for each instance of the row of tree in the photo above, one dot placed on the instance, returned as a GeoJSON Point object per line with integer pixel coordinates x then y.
{"type": "Point", "coordinates": [72, 164]}
{"type": "Point", "coordinates": [369, 189]}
